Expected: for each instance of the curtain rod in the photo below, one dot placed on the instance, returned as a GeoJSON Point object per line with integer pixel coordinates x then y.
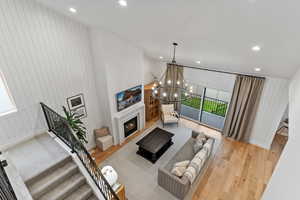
{"type": "Point", "coordinates": [219, 71]}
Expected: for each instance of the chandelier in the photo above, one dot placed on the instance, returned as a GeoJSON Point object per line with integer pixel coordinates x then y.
{"type": "Point", "coordinates": [172, 87]}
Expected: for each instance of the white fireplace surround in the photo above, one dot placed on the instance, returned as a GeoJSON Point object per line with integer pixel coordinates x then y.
{"type": "Point", "coordinates": [122, 117]}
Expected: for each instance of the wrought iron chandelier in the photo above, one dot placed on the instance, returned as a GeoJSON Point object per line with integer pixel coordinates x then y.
{"type": "Point", "coordinates": [172, 87]}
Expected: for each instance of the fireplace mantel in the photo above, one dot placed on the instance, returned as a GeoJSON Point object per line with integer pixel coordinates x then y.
{"type": "Point", "coordinates": [137, 110]}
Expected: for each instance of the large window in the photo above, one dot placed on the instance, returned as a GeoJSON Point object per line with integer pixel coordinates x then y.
{"type": "Point", "coordinates": [7, 104]}
{"type": "Point", "coordinates": [208, 106]}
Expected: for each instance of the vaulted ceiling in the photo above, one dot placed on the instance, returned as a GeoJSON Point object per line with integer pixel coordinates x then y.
{"type": "Point", "coordinates": [219, 33]}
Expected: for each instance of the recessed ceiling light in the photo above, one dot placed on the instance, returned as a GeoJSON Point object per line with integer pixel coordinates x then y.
{"type": "Point", "coordinates": [72, 10]}
{"type": "Point", "coordinates": [198, 61]}
{"type": "Point", "coordinates": [257, 69]}
{"type": "Point", "coordinates": [256, 48]}
{"type": "Point", "coordinates": [160, 57]}
{"type": "Point", "coordinates": [122, 3]}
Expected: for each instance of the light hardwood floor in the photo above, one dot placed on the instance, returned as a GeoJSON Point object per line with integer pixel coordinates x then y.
{"type": "Point", "coordinates": [239, 171]}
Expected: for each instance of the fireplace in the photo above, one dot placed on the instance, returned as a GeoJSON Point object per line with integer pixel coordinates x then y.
{"type": "Point", "coordinates": [130, 126]}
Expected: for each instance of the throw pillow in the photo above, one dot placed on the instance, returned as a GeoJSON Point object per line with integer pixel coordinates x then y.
{"type": "Point", "coordinates": [197, 163]}
{"type": "Point", "coordinates": [202, 137]}
{"type": "Point", "coordinates": [101, 132]}
{"type": "Point", "coordinates": [182, 164]}
{"type": "Point", "coordinates": [208, 145]}
{"type": "Point", "coordinates": [190, 174]}
{"type": "Point", "coordinates": [178, 171]}
{"type": "Point", "coordinates": [195, 134]}
{"type": "Point", "coordinates": [197, 146]}
{"type": "Point", "coordinates": [202, 154]}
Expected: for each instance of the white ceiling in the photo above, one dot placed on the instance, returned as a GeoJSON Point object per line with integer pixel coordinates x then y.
{"type": "Point", "coordinates": [220, 33]}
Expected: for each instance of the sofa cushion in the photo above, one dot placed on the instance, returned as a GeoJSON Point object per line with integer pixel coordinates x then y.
{"type": "Point", "coordinates": [178, 171]}
{"type": "Point", "coordinates": [190, 173]}
{"type": "Point", "coordinates": [182, 164]}
{"type": "Point", "coordinates": [185, 153]}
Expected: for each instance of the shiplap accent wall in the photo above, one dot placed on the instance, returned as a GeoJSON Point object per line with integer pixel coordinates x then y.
{"type": "Point", "coordinates": [274, 100]}
{"type": "Point", "coordinates": [45, 57]}
{"type": "Point", "coordinates": [284, 183]}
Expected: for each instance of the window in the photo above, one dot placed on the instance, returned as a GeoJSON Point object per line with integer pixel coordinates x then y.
{"type": "Point", "coordinates": [208, 106]}
{"type": "Point", "coordinates": [7, 104]}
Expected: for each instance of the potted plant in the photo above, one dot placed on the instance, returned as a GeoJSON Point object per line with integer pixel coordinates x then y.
{"type": "Point", "coordinates": [76, 125]}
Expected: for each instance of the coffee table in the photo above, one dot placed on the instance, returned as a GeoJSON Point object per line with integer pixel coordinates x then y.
{"type": "Point", "coordinates": [155, 144]}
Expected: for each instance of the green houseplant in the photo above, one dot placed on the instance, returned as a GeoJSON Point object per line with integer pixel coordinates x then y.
{"type": "Point", "coordinates": [76, 125]}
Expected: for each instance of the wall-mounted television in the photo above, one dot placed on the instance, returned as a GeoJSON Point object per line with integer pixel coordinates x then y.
{"type": "Point", "coordinates": [129, 97]}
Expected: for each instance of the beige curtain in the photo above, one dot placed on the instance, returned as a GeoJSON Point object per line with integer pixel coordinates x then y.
{"type": "Point", "coordinates": [174, 73]}
{"type": "Point", "coordinates": [243, 107]}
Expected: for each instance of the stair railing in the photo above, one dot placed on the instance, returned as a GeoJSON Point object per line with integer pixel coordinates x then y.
{"type": "Point", "coordinates": [6, 190]}
{"type": "Point", "coordinates": [60, 127]}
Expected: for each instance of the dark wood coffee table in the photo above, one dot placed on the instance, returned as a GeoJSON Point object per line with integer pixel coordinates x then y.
{"type": "Point", "coordinates": [155, 144]}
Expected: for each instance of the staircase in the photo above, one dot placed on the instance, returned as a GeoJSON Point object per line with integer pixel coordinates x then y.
{"type": "Point", "coordinates": [63, 181]}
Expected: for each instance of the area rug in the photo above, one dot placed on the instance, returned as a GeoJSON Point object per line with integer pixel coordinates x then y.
{"type": "Point", "coordinates": [138, 174]}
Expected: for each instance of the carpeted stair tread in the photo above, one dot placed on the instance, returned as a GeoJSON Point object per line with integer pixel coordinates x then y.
{"type": "Point", "coordinates": [48, 171]}
{"type": "Point", "coordinates": [82, 193]}
{"type": "Point", "coordinates": [54, 178]}
{"type": "Point", "coordinates": [65, 189]}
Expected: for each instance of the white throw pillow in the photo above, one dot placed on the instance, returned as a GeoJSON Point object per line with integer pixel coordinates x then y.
{"type": "Point", "coordinates": [182, 164]}
{"type": "Point", "coordinates": [202, 154]}
{"type": "Point", "coordinates": [178, 171]}
{"type": "Point", "coordinates": [208, 146]}
{"type": "Point", "coordinates": [197, 163]}
{"type": "Point", "coordinates": [197, 146]}
{"type": "Point", "coordinates": [190, 173]}
{"type": "Point", "coordinates": [201, 137]}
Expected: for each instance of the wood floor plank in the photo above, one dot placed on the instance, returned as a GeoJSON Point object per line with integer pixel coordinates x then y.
{"type": "Point", "coordinates": [238, 171]}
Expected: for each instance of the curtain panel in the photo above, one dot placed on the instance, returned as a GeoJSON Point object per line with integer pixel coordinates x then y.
{"type": "Point", "coordinates": [243, 107]}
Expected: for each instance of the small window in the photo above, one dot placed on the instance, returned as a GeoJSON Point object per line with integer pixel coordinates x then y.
{"type": "Point", "coordinates": [7, 104]}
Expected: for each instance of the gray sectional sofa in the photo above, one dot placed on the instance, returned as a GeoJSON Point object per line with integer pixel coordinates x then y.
{"type": "Point", "coordinates": [179, 187]}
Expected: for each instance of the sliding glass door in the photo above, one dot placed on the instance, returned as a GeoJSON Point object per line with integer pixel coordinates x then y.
{"type": "Point", "coordinates": [208, 106]}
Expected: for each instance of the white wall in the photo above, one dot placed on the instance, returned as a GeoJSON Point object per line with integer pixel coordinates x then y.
{"type": "Point", "coordinates": [272, 106]}
{"type": "Point", "coordinates": [121, 66]}
{"type": "Point", "coordinates": [153, 68]}
{"type": "Point", "coordinates": [213, 80]}
{"type": "Point", "coordinates": [284, 183]}
{"type": "Point", "coordinates": [44, 57]}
